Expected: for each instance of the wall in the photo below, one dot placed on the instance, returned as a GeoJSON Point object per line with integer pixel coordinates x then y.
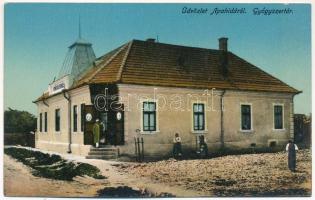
{"type": "Point", "coordinates": [171, 120]}
{"type": "Point", "coordinates": [58, 141]}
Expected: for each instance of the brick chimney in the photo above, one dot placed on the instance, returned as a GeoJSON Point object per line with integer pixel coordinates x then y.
{"type": "Point", "coordinates": [223, 43]}
{"type": "Point", "coordinates": [224, 62]}
{"type": "Point", "coordinates": [150, 40]}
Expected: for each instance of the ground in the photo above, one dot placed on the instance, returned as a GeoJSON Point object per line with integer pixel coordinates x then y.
{"type": "Point", "coordinates": [238, 175]}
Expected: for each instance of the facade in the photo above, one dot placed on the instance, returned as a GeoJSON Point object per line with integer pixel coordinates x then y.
{"type": "Point", "coordinates": [154, 90]}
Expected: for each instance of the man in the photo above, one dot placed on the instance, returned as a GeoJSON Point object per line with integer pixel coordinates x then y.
{"type": "Point", "coordinates": [96, 132]}
{"type": "Point", "coordinates": [291, 148]}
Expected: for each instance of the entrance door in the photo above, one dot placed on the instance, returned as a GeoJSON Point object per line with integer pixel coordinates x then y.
{"type": "Point", "coordinates": [119, 126]}
{"type": "Point", "coordinates": [116, 125]}
{"type": "Point", "coordinates": [90, 117]}
{"type": "Point", "coordinates": [104, 127]}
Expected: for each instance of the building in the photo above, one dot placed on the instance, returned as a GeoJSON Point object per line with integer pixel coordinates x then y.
{"type": "Point", "coordinates": [153, 90]}
{"type": "Point", "coordinates": [303, 130]}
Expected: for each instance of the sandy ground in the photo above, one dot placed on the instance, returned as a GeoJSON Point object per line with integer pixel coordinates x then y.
{"type": "Point", "coordinates": [18, 181]}
{"type": "Point", "coordinates": [240, 175]}
{"type": "Point", "coordinates": [251, 175]}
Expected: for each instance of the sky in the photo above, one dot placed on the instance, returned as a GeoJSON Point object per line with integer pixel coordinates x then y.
{"type": "Point", "coordinates": [37, 37]}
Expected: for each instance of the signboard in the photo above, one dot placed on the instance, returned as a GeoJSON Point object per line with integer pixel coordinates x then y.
{"type": "Point", "coordinates": [59, 85]}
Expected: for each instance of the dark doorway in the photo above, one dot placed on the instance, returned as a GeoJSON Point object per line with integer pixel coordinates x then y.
{"type": "Point", "coordinates": [89, 120]}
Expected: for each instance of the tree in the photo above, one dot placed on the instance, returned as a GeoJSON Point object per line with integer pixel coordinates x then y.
{"type": "Point", "coordinates": [16, 121]}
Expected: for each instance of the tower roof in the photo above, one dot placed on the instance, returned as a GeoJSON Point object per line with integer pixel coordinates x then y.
{"type": "Point", "coordinates": [79, 58]}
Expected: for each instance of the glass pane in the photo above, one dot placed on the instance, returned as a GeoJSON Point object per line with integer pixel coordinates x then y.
{"type": "Point", "coordinates": [152, 121]}
{"type": "Point", "coordinates": [195, 107]}
{"type": "Point", "coordinates": [146, 106]}
{"type": "Point", "coordinates": [152, 106]}
{"type": "Point", "coordinates": [201, 122]}
{"type": "Point", "coordinates": [145, 121]}
{"type": "Point", "coordinates": [195, 122]}
{"type": "Point", "coordinates": [201, 108]}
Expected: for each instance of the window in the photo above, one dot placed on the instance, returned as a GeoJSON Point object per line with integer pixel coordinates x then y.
{"type": "Point", "coordinates": [75, 118]}
{"type": "Point", "coordinates": [199, 117]}
{"type": "Point", "coordinates": [246, 117]}
{"type": "Point", "coordinates": [40, 122]}
{"type": "Point", "coordinates": [149, 116]}
{"type": "Point", "coordinates": [57, 120]}
{"type": "Point", "coordinates": [45, 121]}
{"type": "Point", "coordinates": [82, 117]}
{"type": "Point", "coordinates": [278, 116]}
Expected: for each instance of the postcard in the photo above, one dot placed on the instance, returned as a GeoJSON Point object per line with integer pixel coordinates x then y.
{"type": "Point", "coordinates": [133, 100]}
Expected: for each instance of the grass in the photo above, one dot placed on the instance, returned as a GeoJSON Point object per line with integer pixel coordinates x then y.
{"type": "Point", "coordinates": [52, 166]}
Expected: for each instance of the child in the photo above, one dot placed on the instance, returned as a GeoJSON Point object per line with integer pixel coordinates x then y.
{"type": "Point", "coordinates": [177, 149]}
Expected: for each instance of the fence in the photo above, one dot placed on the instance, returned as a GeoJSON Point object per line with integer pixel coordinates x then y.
{"type": "Point", "coordinates": [139, 149]}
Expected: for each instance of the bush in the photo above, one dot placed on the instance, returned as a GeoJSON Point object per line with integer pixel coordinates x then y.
{"type": "Point", "coordinates": [52, 166]}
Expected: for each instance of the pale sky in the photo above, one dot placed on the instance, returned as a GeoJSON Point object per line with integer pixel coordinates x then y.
{"type": "Point", "coordinates": [37, 37]}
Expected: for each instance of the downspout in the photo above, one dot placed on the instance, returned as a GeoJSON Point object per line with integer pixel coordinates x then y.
{"type": "Point", "coordinates": [222, 119]}
{"type": "Point", "coordinates": [69, 121]}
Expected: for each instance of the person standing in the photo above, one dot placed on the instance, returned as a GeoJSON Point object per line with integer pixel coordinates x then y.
{"type": "Point", "coordinates": [291, 148]}
{"type": "Point", "coordinates": [203, 147]}
{"type": "Point", "coordinates": [96, 132]}
{"type": "Point", "coordinates": [177, 148]}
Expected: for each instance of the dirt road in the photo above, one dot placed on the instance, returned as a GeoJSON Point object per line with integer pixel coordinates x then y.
{"type": "Point", "coordinates": [240, 175]}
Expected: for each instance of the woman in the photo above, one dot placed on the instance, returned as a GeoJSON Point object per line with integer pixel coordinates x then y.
{"type": "Point", "coordinates": [291, 148]}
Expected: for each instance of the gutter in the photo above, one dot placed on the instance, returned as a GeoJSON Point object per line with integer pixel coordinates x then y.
{"type": "Point", "coordinates": [69, 121]}
{"type": "Point", "coordinates": [222, 119]}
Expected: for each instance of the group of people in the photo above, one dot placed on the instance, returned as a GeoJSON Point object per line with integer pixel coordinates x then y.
{"type": "Point", "coordinates": [177, 148]}
{"type": "Point", "coordinates": [291, 148]}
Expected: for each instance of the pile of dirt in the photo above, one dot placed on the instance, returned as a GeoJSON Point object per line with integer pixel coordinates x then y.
{"type": "Point", "coordinates": [52, 166]}
{"type": "Point", "coordinates": [238, 175]}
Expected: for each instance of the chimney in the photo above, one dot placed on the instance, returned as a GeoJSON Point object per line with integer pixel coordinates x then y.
{"type": "Point", "coordinates": [150, 40]}
{"type": "Point", "coordinates": [223, 43]}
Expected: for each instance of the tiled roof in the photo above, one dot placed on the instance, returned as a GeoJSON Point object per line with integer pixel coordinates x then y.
{"type": "Point", "coordinates": [159, 64]}
{"type": "Point", "coordinates": [151, 63]}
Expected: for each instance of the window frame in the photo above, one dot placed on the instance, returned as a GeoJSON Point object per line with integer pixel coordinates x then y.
{"type": "Point", "coordinates": [75, 118]}
{"type": "Point", "coordinates": [157, 130]}
{"type": "Point", "coordinates": [251, 117]}
{"type": "Point", "coordinates": [41, 122]}
{"type": "Point", "coordinates": [273, 118]}
{"type": "Point", "coordinates": [45, 122]}
{"type": "Point", "coordinates": [199, 113]}
{"type": "Point", "coordinates": [149, 113]}
{"type": "Point", "coordinates": [57, 128]}
{"type": "Point", "coordinates": [82, 116]}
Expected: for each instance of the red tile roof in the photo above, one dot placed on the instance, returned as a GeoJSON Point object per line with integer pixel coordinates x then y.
{"type": "Point", "coordinates": [159, 64]}
{"type": "Point", "coordinates": [150, 63]}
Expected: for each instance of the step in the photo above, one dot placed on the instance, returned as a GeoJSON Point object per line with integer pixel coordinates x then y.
{"type": "Point", "coordinates": [103, 149]}
{"type": "Point", "coordinates": [103, 153]}
{"type": "Point", "coordinates": [102, 157]}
